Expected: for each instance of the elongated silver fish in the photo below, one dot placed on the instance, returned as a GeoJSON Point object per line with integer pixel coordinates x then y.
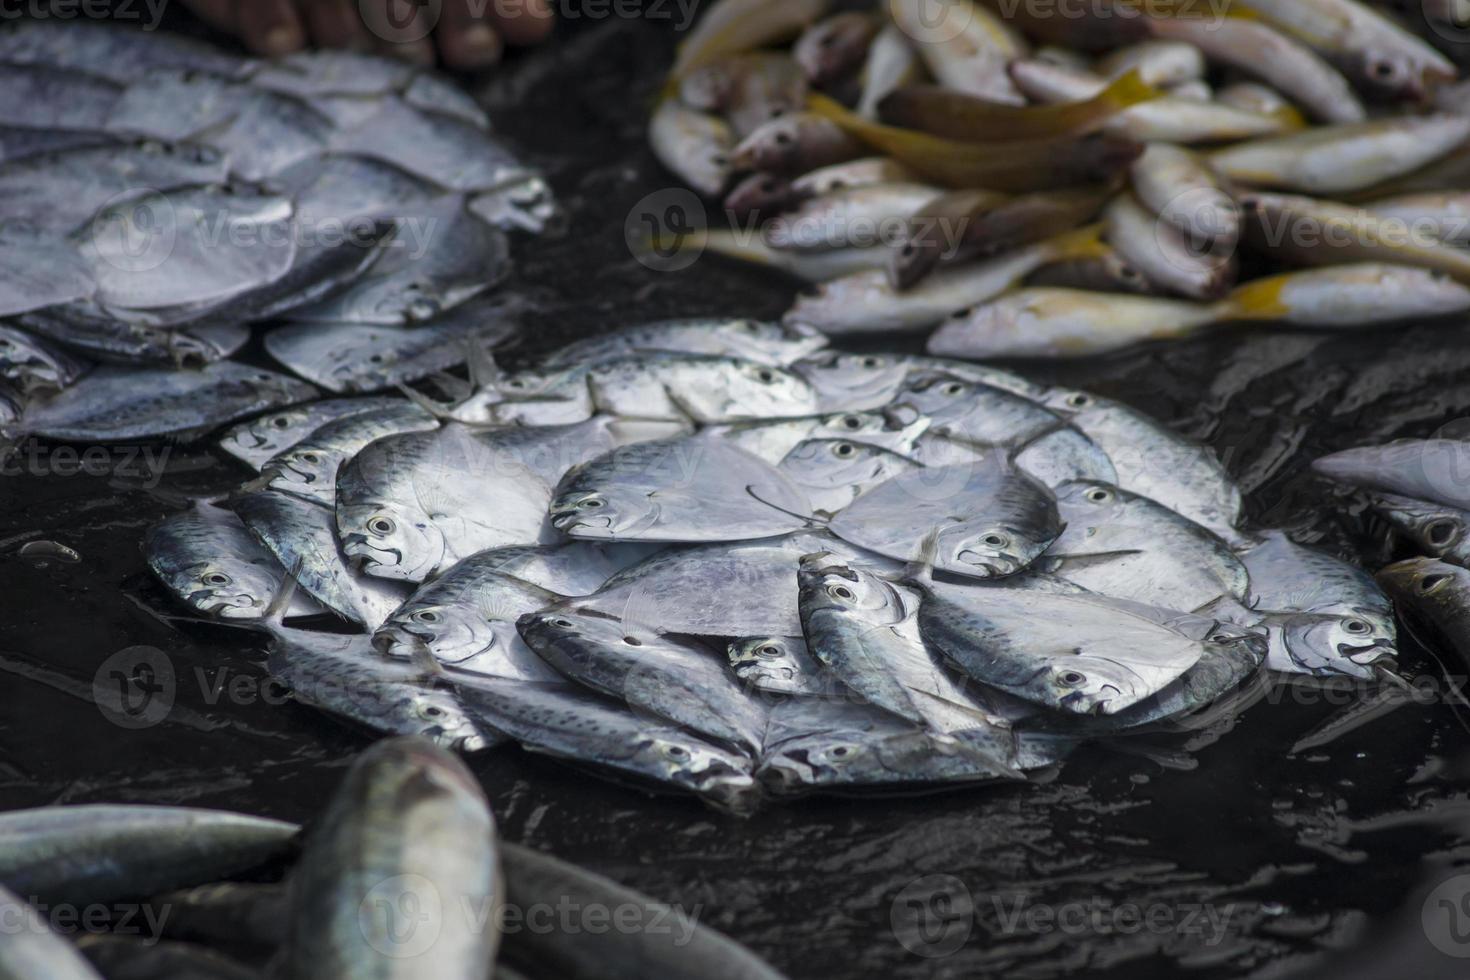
{"type": "Point", "coordinates": [835, 472]}
{"type": "Point", "coordinates": [1436, 529]}
{"type": "Point", "coordinates": [857, 382]}
{"type": "Point", "coordinates": [302, 536]}
{"type": "Point", "coordinates": [630, 661]}
{"type": "Point", "coordinates": [1425, 469]}
{"type": "Point", "coordinates": [356, 357]}
{"type": "Point", "coordinates": [256, 441]}
{"type": "Point", "coordinates": [79, 855]}
{"type": "Point", "coordinates": [753, 340]}
{"type": "Point", "coordinates": [702, 389]}
{"type": "Point", "coordinates": [409, 827]}
{"type": "Point", "coordinates": [209, 559]}
{"type": "Point", "coordinates": [573, 568]}
{"type": "Point", "coordinates": [562, 720]}
{"type": "Point", "coordinates": [309, 468]}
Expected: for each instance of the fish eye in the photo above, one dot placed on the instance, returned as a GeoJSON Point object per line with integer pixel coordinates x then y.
{"type": "Point", "coordinates": [1072, 678]}
{"type": "Point", "coordinates": [380, 525]}
{"type": "Point", "coordinates": [996, 540]}
{"type": "Point", "coordinates": [1078, 400]}
{"type": "Point", "coordinates": [676, 751]}
{"type": "Point", "coordinates": [783, 138]}
{"type": "Point", "coordinates": [1221, 637]}
{"type": "Point", "coordinates": [1430, 583]}
{"type": "Point", "coordinates": [1098, 495]}
{"type": "Point", "coordinates": [426, 616]}
{"type": "Point", "coordinates": [841, 592]}
{"type": "Point", "coordinates": [953, 388]}
{"type": "Point", "coordinates": [870, 362]}
{"type": "Point", "coordinates": [1382, 69]}
{"type": "Point", "coordinates": [632, 641]}
{"type": "Point", "coordinates": [1441, 532]}
{"type": "Point", "coordinates": [431, 711]}
{"type": "Point", "coordinates": [311, 458]}
{"type": "Point", "coordinates": [216, 578]}
{"type": "Point", "coordinates": [843, 450]}
{"type": "Point", "coordinates": [1357, 626]}
{"type": "Point", "coordinates": [281, 422]}
{"type": "Point", "coordinates": [840, 751]}
{"type": "Point", "coordinates": [852, 422]}
{"type": "Point", "coordinates": [768, 650]}
{"type": "Point", "coordinates": [765, 375]}
{"type": "Point", "coordinates": [563, 623]}
{"type": "Point", "coordinates": [515, 383]}
{"type": "Point", "coordinates": [591, 503]}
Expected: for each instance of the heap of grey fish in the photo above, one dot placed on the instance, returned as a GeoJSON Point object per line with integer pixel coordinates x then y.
{"type": "Point", "coordinates": [1052, 180]}
{"type": "Point", "coordinates": [1420, 490]}
{"type": "Point", "coordinates": [713, 555]}
{"type": "Point", "coordinates": [402, 875]}
{"type": "Point", "coordinates": [160, 195]}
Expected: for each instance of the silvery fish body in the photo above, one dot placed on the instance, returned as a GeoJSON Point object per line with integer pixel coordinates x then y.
{"type": "Point", "coordinates": [309, 468]}
{"type": "Point", "coordinates": [573, 568]}
{"type": "Point", "coordinates": [1436, 470]}
{"type": "Point", "coordinates": [1434, 598]}
{"type": "Point", "coordinates": [565, 721]}
{"type": "Point", "coordinates": [32, 949]}
{"type": "Point", "coordinates": [780, 665]}
{"type": "Point", "coordinates": [39, 271]}
{"type": "Point", "coordinates": [356, 357]}
{"type": "Point", "coordinates": [29, 364]}
{"type": "Point", "coordinates": [835, 472]}
{"type": "Point", "coordinates": [652, 673]}
{"type": "Point", "coordinates": [256, 441]}
{"type": "Point", "coordinates": [702, 389]}
{"type": "Point", "coordinates": [857, 382]}
{"type": "Point", "coordinates": [761, 341]}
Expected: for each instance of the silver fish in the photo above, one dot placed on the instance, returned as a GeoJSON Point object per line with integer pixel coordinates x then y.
{"type": "Point", "coordinates": [38, 271]}
{"type": "Point", "coordinates": [118, 404]}
{"type": "Point", "coordinates": [357, 357]}
{"type": "Point", "coordinates": [1069, 653]}
{"type": "Point", "coordinates": [652, 673]}
{"type": "Point", "coordinates": [701, 389]}
{"type": "Point", "coordinates": [208, 558]}
{"type": "Point", "coordinates": [1435, 529]}
{"type": "Point", "coordinates": [562, 720]}
{"type": "Point", "coordinates": [858, 382]}
{"type": "Point", "coordinates": [30, 364]}
{"type": "Point", "coordinates": [759, 341]}
{"type": "Point", "coordinates": [51, 98]}
{"type": "Point", "coordinates": [344, 676]}
{"type": "Point", "coordinates": [779, 665]}
{"type": "Point", "coordinates": [308, 469]}
{"type": "Point", "coordinates": [113, 51]}
{"type": "Point", "coordinates": [835, 472]}
{"type": "Point", "coordinates": [78, 855]}
{"type": "Point", "coordinates": [987, 517]}
{"type": "Point", "coordinates": [414, 504]}
{"type": "Point", "coordinates": [345, 189]}
{"type": "Point", "coordinates": [696, 146]}
{"type": "Point", "coordinates": [691, 489]}
{"type": "Point", "coordinates": [33, 949]}
{"type": "Point", "coordinates": [256, 441]}
{"type": "Point", "coordinates": [866, 630]}
{"type": "Point", "coordinates": [1125, 545]}
{"type": "Point", "coordinates": [408, 826]}
{"type": "Point", "coordinates": [572, 569]}
{"type": "Point", "coordinates": [302, 536]}
{"type": "Point", "coordinates": [1434, 470]}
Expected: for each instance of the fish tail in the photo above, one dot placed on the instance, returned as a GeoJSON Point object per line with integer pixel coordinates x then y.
{"type": "Point", "coordinates": [1080, 243]}
{"type": "Point", "coordinates": [920, 571]}
{"type": "Point", "coordinates": [437, 409]}
{"type": "Point", "coordinates": [1127, 90]}
{"type": "Point", "coordinates": [275, 613]}
{"type": "Point", "coordinates": [1259, 299]}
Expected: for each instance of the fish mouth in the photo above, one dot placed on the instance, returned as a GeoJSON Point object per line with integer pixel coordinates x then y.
{"type": "Point", "coordinates": [994, 566]}
{"type": "Point", "coordinates": [568, 521]}
{"type": "Point", "coordinates": [1377, 654]}
{"type": "Point", "coordinates": [226, 606]}
{"type": "Point", "coordinates": [357, 548]}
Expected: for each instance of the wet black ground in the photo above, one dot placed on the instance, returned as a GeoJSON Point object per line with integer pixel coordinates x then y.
{"type": "Point", "coordinates": [1239, 858]}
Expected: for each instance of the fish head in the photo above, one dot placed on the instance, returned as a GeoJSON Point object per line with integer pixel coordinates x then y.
{"type": "Point", "coordinates": [853, 381]}
{"type": "Point", "coordinates": [227, 589]}
{"type": "Point", "coordinates": [768, 663]}
{"type": "Point", "coordinates": [775, 145]}
{"type": "Point", "coordinates": [826, 583]}
{"type": "Point", "coordinates": [828, 759]}
{"type": "Point", "coordinates": [306, 471]}
{"type": "Point", "coordinates": [720, 775]}
{"type": "Point", "coordinates": [430, 711]}
{"type": "Point", "coordinates": [453, 632]}
{"type": "Point", "coordinates": [611, 512]}
{"type": "Point", "coordinates": [767, 391]}
{"type": "Point", "coordinates": [1433, 528]}
{"type": "Point", "coordinates": [760, 194]}
{"type": "Point", "coordinates": [1069, 402]}
{"type": "Point", "coordinates": [833, 463]}
{"type": "Point", "coordinates": [265, 433]}
{"type": "Point", "coordinates": [1396, 74]}
{"type": "Point", "coordinates": [1334, 643]}
{"type": "Point", "coordinates": [937, 395]}
{"type": "Point", "coordinates": [774, 343]}
{"type": "Point", "coordinates": [992, 549]}
{"type": "Point", "coordinates": [1087, 685]}
{"type": "Point", "coordinates": [391, 540]}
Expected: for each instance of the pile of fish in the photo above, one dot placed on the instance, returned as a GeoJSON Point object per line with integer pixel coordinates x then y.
{"type": "Point", "coordinates": [716, 556]}
{"type": "Point", "coordinates": [402, 875]}
{"type": "Point", "coordinates": [1420, 490]}
{"type": "Point", "coordinates": [159, 195]}
{"type": "Point", "coordinates": [1049, 180]}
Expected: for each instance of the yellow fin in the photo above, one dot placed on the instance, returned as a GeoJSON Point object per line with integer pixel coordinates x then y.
{"type": "Point", "coordinates": [1080, 243]}
{"type": "Point", "coordinates": [1259, 299]}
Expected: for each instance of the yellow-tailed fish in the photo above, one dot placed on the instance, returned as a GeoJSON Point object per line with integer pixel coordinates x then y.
{"type": "Point", "coordinates": [1014, 166]}
{"type": "Point", "coordinates": [1450, 172]}
{"type": "Point", "coordinates": [1263, 100]}
{"type": "Point", "coordinates": [1363, 294]}
{"type": "Point", "coordinates": [696, 146]}
{"type": "Point", "coordinates": [1308, 231]}
{"type": "Point", "coordinates": [1343, 158]}
{"type": "Point", "coordinates": [1377, 53]}
{"type": "Point", "coordinates": [965, 46]}
{"type": "Point", "coordinates": [974, 222]}
{"type": "Point", "coordinates": [853, 173]}
{"type": "Point", "coordinates": [957, 116]}
{"type": "Point", "coordinates": [867, 302]}
{"type": "Point", "coordinates": [862, 217]}
{"type": "Point", "coordinates": [1170, 119]}
{"type": "Point", "coordinates": [1162, 64]}
{"type": "Point", "coordinates": [1159, 251]}
{"type": "Point", "coordinates": [1177, 186]}
{"type": "Point", "coordinates": [795, 144]}
{"type": "Point", "coordinates": [748, 246]}
{"type": "Point", "coordinates": [1266, 53]}
{"type": "Point", "coordinates": [736, 26]}
{"type": "Point", "coordinates": [1105, 273]}
{"type": "Point", "coordinates": [1444, 214]}
{"type": "Point", "coordinates": [892, 63]}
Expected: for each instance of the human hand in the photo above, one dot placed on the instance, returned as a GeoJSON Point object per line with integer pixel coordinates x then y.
{"type": "Point", "coordinates": [461, 34]}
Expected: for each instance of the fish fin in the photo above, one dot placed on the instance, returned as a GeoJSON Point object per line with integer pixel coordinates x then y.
{"type": "Point", "coordinates": [920, 571]}
{"type": "Point", "coordinates": [1079, 243]}
{"type": "Point", "coordinates": [1126, 90]}
{"type": "Point", "coordinates": [423, 658]}
{"type": "Point", "coordinates": [275, 613]}
{"type": "Point", "coordinates": [456, 388]}
{"type": "Point", "coordinates": [811, 519]}
{"type": "Point", "coordinates": [484, 372]}
{"type": "Point", "coordinates": [1259, 299]}
{"type": "Point", "coordinates": [437, 409]}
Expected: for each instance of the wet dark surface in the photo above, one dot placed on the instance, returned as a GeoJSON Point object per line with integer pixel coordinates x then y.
{"type": "Point", "coordinates": [1285, 855]}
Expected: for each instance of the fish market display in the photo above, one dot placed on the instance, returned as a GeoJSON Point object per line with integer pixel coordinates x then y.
{"type": "Point", "coordinates": [161, 196]}
{"type": "Point", "coordinates": [402, 874]}
{"type": "Point", "coordinates": [1042, 182]}
{"type": "Point", "coordinates": [714, 556]}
